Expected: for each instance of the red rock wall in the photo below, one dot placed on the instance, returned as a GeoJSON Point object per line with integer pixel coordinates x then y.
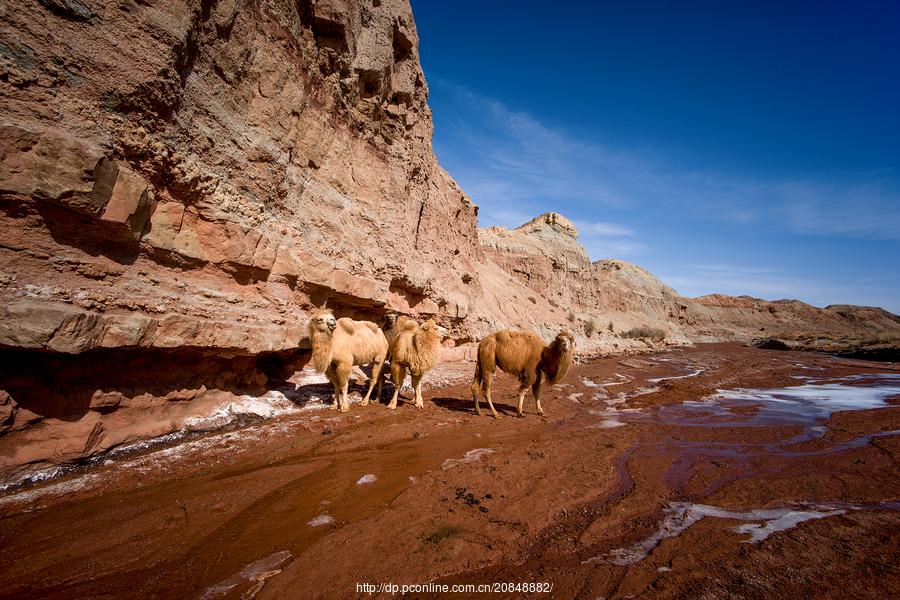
{"type": "Point", "coordinates": [179, 173]}
{"type": "Point", "coordinates": [189, 179]}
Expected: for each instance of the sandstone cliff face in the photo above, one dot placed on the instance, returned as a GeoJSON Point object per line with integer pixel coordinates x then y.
{"type": "Point", "coordinates": [175, 174]}
{"type": "Point", "coordinates": [182, 182]}
{"type": "Point", "coordinates": [191, 178]}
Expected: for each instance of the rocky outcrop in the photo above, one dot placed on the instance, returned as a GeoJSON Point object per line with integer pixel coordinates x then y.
{"type": "Point", "coordinates": [604, 300]}
{"type": "Point", "coordinates": [178, 174]}
{"type": "Point", "coordinates": [182, 182]}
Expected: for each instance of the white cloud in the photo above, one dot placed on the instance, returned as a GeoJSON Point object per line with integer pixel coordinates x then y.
{"type": "Point", "coordinates": [604, 229]}
{"type": "Point", "coordinates": [516, 165]}
{"type": "Point", "coordinates": [609, 240]}
{"type": "Point", "coordinates": [775, 284]}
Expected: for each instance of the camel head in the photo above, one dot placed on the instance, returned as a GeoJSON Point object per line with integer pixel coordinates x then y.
{"type": "Point", "coordinates": [557, 357]}
{"type": "Point", "coordinates": [322, 321]}
{"type": "Point", "coordinates": [566, 340]}
{"type": "Point", "coordinates": [430, 325]}
{"type": "Point", "coordinates": [390, 320]}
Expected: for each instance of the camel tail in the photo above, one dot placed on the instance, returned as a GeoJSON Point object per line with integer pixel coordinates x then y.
{"type": "Point", "coordinates": [478, 380]}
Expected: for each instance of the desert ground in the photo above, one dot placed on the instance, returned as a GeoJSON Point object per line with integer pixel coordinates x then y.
{"type": "Point", "coordinates": [707, 472]}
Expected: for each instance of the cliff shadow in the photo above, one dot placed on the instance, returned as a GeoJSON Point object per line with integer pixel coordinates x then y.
{"type": "Point", "coordinates": [71, 228]}
{"type": "Point", "coordinates": [68, 386]}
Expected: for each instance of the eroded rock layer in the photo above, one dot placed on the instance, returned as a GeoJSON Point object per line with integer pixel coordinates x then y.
{"type": "Point", "coordinates": [179, 173]}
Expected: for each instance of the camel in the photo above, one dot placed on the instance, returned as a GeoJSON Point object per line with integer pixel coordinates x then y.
{"type": "Point", "coordinates": [338, 344]}
{"type": "Point", "coordinates": [395, 323]}
{"type": "Point", "coordinates": [416, 349]}
{"type": "Point", "coordinates": [392, 325]}
{"type": "Point", "coordinates": [524, 355]}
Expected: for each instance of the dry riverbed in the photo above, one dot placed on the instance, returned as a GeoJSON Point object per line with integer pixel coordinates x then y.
{"type": "Point", "coordinates": [718, 471]}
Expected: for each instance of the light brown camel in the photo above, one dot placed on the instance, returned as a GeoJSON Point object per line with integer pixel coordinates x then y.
{"type": "Point", "coordinates": [524, 355]}
{"type": "Point", "coordinates": [394, 323]}
{"type": "Point", "coordinates": [338, 344]}
{"type": "Point", "coordinates": [417, 350]}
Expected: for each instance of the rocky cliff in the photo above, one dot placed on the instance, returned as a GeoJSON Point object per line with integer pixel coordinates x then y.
{"type": "Point", "coordinates": [605, 300]}
{"type": "Point", "coordinates": [198, 174]}
{"type": "Point", "coordinates": [182, 182]}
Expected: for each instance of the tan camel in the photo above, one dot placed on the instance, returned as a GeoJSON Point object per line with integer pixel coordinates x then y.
{"type": "Point", "coordinates": [338, 344]}
{"type": "Point", "coordinates": [524, 355]}
{"type": "Point", "coordinates": [417, 350]}
{"type": "Point", "coordinates": [395, 323]}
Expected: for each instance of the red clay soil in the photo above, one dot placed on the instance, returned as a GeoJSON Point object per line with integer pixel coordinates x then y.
{"type": "Point", "coordinates": [571, 500]}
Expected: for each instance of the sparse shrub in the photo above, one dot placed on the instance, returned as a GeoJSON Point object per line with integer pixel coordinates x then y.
{"type": "Point", "coordinates": [589, 327]}
{"type": "Point", "coordinates": [651, 333]}
{"type": "Point", "coordinates": [610, 327]}
{"type": "Point", "coordinates": [442, 534]}
{"type": "Point", "coordinates": [571, 317]}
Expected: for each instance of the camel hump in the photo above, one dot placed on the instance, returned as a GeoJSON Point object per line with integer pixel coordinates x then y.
{"type": "Point", "coordinates": [506, 337]}
{"type": "Point", "coordinates": [348, 325]}
{"type": "Point", "coordinates": [369, 325]}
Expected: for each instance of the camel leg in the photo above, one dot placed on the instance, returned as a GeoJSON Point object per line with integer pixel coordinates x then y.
{"type": "Point", "coordinates": [487, 394]}
{"type": "Point", "coordinates": [376, 374]}
{"type": "Point", "coordinates": [343, 375]}
{"type": "Point", "coordinates": [417, 385]}
{"type": "Point", "coordinates": [476, 390]}
{"type": "Point", "coordinates": [398, 375]}
{"type": "Point", "coordinates": [522, 390]}
{"type": "Point", "coordinates": [335, 398]}
{"type": "Point", "coordinates": [345, 398]}
{"type": "Point", "coordinates": [380, 381]}
{"type": "Point", "coordinates": [536, 390]}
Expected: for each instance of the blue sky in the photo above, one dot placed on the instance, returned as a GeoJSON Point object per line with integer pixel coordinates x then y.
{"type": "Point", "coordinates": [726, 147]}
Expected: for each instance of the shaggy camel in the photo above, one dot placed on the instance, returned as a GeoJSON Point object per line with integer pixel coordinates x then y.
{"type": "Point", "coordinates": [418, 350]}
{"type": "Point", "coordinates": [338, 344]}
{"type": "Point", "coordinates": [524, 355]}
{"type": "Point", "coordinates": [392, 325]}
{"type": "Point", "coordinates": [395, 323]}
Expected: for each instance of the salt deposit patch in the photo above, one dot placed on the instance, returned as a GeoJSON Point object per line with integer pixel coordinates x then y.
{"type": "Point", "coordinates": [370, 478]}
{"type": "Point", "coordinates": [682, 515]}
{"type": "Point", "coordinates": [255, 573]}
{"type": "Point", "coordinates": [309, 376]}
{"type": "Point", "coordinates": [691, 374]}
{"type": "Point", "coordinates": [815, 400]}
{"type": "Point", "coordinates": [54, 489]}
{"type": "Point", "coordinates": [643, 391]}
{"type": "Point", "coordinates": [610, 417]}
{"type": "Point", "coordinates": [271, 404]}
{"type": "Point", "coordinates": [808, 405]}
{"type": "Point", "coordinates": [32, 478]}
{"type": "Point", "coordinates": [321, 520]}
{"type": "Point", "coordinates": [620, 380]}
{"type": "Point", "coordinates": [470, 456]}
